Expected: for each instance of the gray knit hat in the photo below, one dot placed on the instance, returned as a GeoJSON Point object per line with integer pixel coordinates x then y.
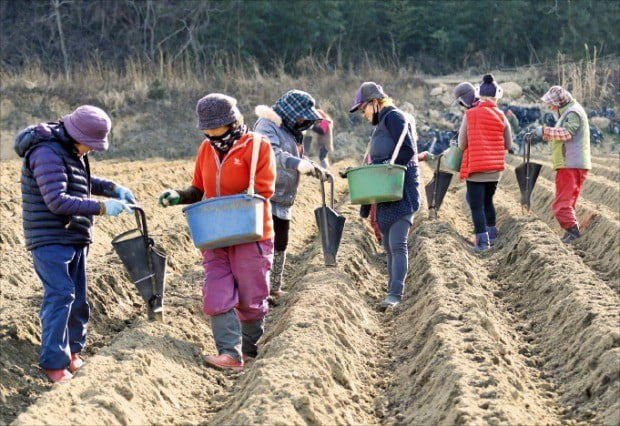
{"type": "Point", "coordinates": [465, 93]}
{"type": "Point", "coordinates": [216, 110]}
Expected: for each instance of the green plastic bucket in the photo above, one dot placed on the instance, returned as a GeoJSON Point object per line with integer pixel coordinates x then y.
{"type": "Point", "coordinates": [453, 158]}
{"type": "Point", "coordinates": [376, 183]}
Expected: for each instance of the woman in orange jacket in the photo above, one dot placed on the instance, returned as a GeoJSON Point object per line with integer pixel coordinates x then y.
{"type": "Point", "coordinates": [236, 284]}
{"type": "Point", "coordinates": [484, 137]}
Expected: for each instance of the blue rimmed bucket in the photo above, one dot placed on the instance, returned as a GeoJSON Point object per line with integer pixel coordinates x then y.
{"type": "Point", "coordinates": [225, 221]}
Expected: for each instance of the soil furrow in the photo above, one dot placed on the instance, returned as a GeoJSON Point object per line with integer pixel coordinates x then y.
{"type": "Point", "coordinates": [601, 230]}
{"type": "Point", "coordinates": [596, 189]}
{"type": "Point", "coordinates": [525, 333]}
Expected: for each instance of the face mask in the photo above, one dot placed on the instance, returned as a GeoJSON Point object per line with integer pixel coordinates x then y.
{"type": "Point", "coordinates": [375, 115]}
{"type": "Point", "coordinates": [224, 142]}
{"type": "Point", "coordinates": [305, 125]}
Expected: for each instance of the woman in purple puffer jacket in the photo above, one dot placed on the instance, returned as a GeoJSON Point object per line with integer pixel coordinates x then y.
{"type": "Point", "coordinates": [58, 213]}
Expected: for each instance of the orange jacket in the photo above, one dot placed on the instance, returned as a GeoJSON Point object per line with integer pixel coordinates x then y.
{"type": "Point", "coordinates": [485, 140]}
{"type": "Point", "coordinates": [231, 175]}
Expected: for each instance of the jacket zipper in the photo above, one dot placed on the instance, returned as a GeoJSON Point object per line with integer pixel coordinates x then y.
{"type": "Point", "coordinates": [219, 164]}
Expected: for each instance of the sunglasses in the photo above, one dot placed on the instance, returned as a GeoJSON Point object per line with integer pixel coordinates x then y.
{"type": "Point", "coordinates": [363, 106]}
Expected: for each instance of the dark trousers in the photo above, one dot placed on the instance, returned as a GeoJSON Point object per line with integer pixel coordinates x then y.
{"type": "Point", "coordinates": [480, 199]}
{"type": "Point", "coordinates": [395, 245]}
{"type": "Point", "coordinates": [64, 310]}
{"type": "Point", "coordinates": [280, 230]}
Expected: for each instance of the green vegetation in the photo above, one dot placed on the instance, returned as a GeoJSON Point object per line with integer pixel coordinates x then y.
{"type": "Point", "coordinates": [433, 36]}
{"type": "Point", "coordinates": [147, 62]}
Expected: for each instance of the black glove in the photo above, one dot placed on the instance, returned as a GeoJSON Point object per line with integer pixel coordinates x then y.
{"type": "Point", "coordinates": [321, 174]}
{"type": "Point", "coordinates": [365, 210]}
{"type": "Point", "coordinates": [343, 173]}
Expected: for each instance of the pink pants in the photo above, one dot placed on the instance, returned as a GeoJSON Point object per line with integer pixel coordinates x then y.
{"type": "Point", "coordinates": [568, 183]}
{"type": "Point", "coordinates": [237, 278]}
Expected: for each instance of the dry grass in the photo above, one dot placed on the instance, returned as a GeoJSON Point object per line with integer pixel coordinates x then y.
{"type": "Point", "coordinates": [152, 105]}
{"type": "Point", "coordinates": [592, 83]}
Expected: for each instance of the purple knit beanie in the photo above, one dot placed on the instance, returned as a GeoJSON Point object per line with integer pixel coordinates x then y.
{"type": "Point", "coordinates": [489, 87]}
{"type": "Point", "coordinates": [89, 126]}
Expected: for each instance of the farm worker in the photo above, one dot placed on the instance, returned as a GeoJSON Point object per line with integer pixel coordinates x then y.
{"type": "Point", "coordinates": [324, 137]}
{"type": "Point", "coordinates": [465, 95]}
{"type": "Point", "coordinates": [370, 211]}
{"type": "Point", "coordinates": [236, 283]}
{"type": "Point", "coordinates": [513, 121]}
{"type": "Point", "coordinates": [484, 137]}
{"type": "Point", "coordinates": [394, 218]}
{"type": "Point", "coordinates": [283, 124]}
{"type": "Point", "coordinates": [570, 154]}
{"type": "Point", "coordinates": [58, 216]}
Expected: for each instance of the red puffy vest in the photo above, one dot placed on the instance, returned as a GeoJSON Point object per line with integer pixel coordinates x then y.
{"type": "Point", "coordinates": [485, 140]}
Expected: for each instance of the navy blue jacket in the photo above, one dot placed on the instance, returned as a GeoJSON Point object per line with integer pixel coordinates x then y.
{"type": "Point", "coordinates": [383, 142]}
{"type": "Point", "coordinates": [56, 188]}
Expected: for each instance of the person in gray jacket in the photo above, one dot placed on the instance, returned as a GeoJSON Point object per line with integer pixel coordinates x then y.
{"type": "Point", "coordinates": [284, 124]}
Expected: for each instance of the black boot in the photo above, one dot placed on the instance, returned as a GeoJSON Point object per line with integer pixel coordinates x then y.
{"type": "Point", "coordinates": [279, 260]}
{"type": "Point", "coordinates": [571, 235]}
{"type": "Point", "coordinates": [252, 331]}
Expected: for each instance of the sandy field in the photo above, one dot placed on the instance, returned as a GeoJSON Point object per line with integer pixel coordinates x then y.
{"type": "Point", "coordinates": [526, 333]}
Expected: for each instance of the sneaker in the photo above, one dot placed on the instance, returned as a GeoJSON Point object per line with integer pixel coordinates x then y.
{"type": "Point", "coordinates": [58, 376]}
{"type": "Point", "coordinates": [223, 361]}
{"type": "Point", "coordinates": [389, 302]}
{"type": "Point", "coordinates": [75, 364]}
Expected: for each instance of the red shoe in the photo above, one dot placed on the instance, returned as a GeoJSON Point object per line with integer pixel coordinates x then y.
{"type": "Point", "coordinates": [245, 358]}
{"type": "Point", "coordinates": [75, 364]}
{"type": "Point", "coordinates": [223, 361]}
{"type": "Point", "coordinates": [57, 376]}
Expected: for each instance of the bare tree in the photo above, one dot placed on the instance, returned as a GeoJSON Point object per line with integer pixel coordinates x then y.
{"type": "Point", "coordinates": [56, 5]}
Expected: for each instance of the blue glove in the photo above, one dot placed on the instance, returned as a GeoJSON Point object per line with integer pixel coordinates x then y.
{"type": "Point", "coordinates": [123, 193]}
{"type": "Point", "coordinates": [115, 207]}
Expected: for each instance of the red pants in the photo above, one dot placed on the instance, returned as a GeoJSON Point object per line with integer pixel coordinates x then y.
{"type": "Point", "coordinates": [568, 183]}
{"type": "Point", "coordinates": [373, 221]}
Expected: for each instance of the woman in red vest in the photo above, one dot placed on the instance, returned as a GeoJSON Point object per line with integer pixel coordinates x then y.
{"type": "Point", "coordinates": [484, 137]}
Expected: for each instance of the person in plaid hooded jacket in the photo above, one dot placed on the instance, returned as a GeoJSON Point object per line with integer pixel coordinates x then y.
{"type": "Point", "coordinates": [570, 153]}
{"type": "Point", "coordinates": [284, 124]}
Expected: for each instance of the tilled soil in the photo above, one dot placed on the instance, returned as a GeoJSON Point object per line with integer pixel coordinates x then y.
{"type": "Point", "coordinates": [525, 333]}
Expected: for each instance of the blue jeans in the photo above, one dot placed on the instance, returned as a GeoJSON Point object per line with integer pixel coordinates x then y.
{"type": "Point", "coordinates": [395, 245]}
{"type": "Point", "coordinates": [480, 200]}
{"type": "Point", "coordinates": [64, 309]}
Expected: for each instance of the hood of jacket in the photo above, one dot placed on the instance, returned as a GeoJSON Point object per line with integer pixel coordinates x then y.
{"type": "Point", "coordinates": [266, 112]}
{"type": "Point", "coordinates": [43, 132]}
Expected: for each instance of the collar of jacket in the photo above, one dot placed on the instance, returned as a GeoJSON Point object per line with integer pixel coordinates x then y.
{"type": "Point", "coordinates": [385, 111]}
{"type": "Point", "coordinates": [263, 111]}
{"type": "Point", "coordinates": [564, 107]}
